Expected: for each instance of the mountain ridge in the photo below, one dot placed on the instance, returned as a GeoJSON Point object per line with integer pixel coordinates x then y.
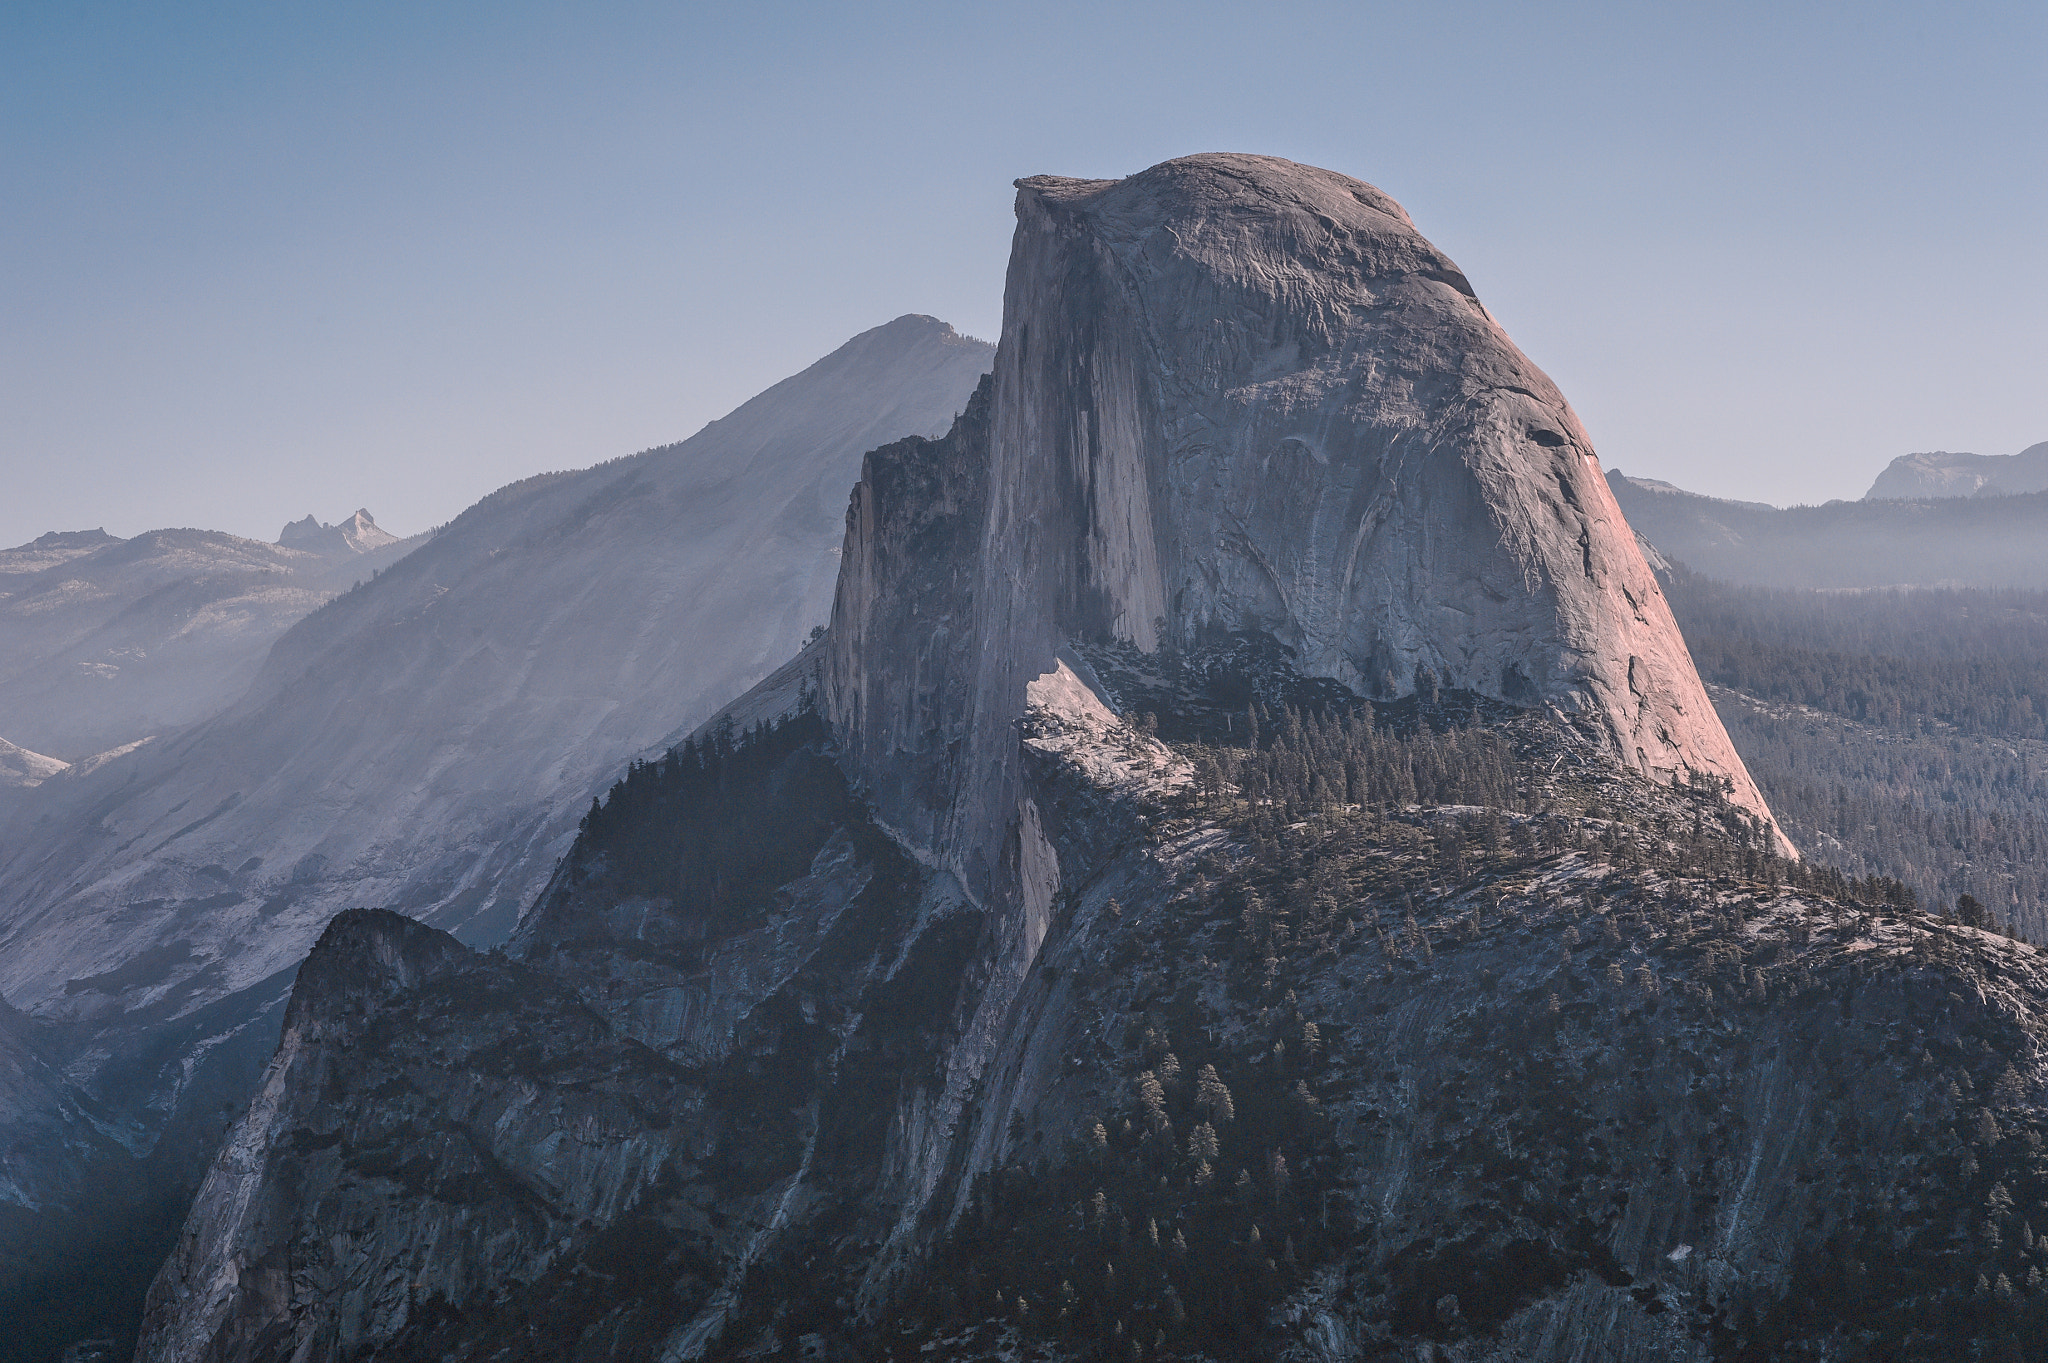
{"type": "Point", "coordinates": [1015, 973]}
{"type": "Point", "coordinates": [1930, 541]}
{"type": "Point", "coordinates": [428, 739]}
{"type": "Point", "coordinates": [104, 641]}
{"type": "Point", "coordinates": [359, 534]}
{"type": "Point", "coordinates": [1940, 473]}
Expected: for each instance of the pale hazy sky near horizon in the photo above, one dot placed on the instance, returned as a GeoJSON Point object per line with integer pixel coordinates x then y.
{"type": "Point", "coordinates": [263, 259]}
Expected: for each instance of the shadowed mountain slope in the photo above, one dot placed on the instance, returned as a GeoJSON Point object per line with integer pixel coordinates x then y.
{"type": "Point", "coordinates": [427, 741]}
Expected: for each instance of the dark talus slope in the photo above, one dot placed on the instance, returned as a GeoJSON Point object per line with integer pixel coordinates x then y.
{"type": "Point", "coordinates": [1927, 542]}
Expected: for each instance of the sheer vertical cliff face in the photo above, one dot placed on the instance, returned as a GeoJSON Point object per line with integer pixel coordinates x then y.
{"type": "Point", "coordinates": [1233, 394]}
{"type": "Point", "coordinates": [810, 1004]}
{"type": "Point", "coordinates": [899, 666]}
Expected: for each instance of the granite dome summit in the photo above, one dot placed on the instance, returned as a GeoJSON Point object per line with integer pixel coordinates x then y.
{"type": "Point", "coordinates": [1238, 394]}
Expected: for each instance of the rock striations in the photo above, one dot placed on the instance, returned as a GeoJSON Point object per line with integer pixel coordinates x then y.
{"type": "Point", "coordinates": [1249, 873]}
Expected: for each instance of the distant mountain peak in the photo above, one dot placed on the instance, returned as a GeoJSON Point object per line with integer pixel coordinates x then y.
{"type": "Point", "coordinates": [20, 767]}
{"type": "Point", "coordinates": [920, 324]}
{"type": "Point", "coordinates": [358, 534]}
{"type": "Point", "coordinates": [72, 539]}
{"type": "Point", "coordinates": [1659, 485]}
{"type": "Point", "coordinates": [1946, 473]}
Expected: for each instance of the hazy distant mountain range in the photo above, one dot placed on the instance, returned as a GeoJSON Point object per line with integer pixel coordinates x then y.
{"type": "Point", "coordinates": [1941, 474]}
{"type": "Point", "coordinates": [1949, 540]}
{"type": "Point", "coordinates": [104, 641]}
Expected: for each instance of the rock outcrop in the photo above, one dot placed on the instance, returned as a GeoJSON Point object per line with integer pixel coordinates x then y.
{"type": "Point", "coordinates": [22, 769]}
{"type": "Point", "coordinates": [916, 987]}
{"type": "Point", "coordinates": [1239, 395]}
{"type": "Point", "coordinates": [359, 534]}
{"type": "Point", "coordinates": [1939, 473]}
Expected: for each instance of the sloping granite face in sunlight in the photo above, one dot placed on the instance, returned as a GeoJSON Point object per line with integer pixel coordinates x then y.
{"type": "Point", "coordinates": [1239, 395]}
{"type": "Point", "coordinates": [1261, 400]}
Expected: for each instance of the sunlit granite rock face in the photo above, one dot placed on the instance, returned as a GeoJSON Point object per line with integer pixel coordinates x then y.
{"type": "Point", "coordinates": [1252, 396]}
{"type": "Point", "coordinates": [1236, 394]}
{"type": "Point", "coordinates": [796, 1010]}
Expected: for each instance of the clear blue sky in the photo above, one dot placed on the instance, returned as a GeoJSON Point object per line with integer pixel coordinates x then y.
{"type": "Point", "coordinates": [269, 258]}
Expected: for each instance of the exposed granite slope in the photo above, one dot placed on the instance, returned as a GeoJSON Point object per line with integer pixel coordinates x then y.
{"type": "Point", "coordinates": [21, 769]}
{"type": "Point", "coordinates": [1240, 394]}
